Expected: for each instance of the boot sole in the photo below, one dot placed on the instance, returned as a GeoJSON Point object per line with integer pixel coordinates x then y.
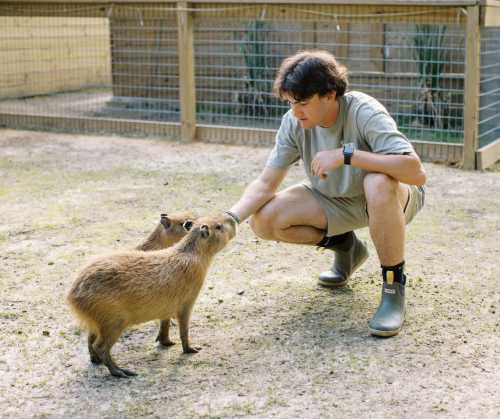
{"type": "Point", "coordinates": [384, 333]}
{"type": "Point", "coordinates": [341, 284]}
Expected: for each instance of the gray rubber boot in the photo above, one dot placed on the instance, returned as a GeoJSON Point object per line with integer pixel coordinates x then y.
{"type": "Point", "coordinates": [390, 314]}
{"type": "Point", "coordinates": [344, 265]}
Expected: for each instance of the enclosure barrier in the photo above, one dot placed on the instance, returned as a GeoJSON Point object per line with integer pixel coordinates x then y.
{"type": "Point", "coordinates": [204, 69]}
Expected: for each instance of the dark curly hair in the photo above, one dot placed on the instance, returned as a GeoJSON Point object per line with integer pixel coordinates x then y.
{"type": "Point", "coordinates": [311, 72]}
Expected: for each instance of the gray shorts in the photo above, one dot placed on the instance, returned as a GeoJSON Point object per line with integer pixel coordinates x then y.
{"type": "Point", "coordinates": [347, 214]}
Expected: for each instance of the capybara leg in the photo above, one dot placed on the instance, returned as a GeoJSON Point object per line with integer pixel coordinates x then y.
{"type": "Point", "coordinates": [184, 317]}
{"type": "Point", "coordinates": [163, 337]}
{"type": "Point", "coordinates": [94, 358]}
{"type": "Point", "coordinates": [103, 345]}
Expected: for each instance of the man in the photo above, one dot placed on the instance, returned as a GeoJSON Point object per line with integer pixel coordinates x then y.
{"type": "Point", "coordinates": [362, 172]}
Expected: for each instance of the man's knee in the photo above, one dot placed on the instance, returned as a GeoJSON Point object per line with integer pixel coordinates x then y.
{"type": "Point", "coordinates": [379, 189]}
{"type": "Point", "coordinates": [262, 224]}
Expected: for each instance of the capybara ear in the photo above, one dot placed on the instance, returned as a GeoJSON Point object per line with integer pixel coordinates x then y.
{"type": "Point", "coordinates": [165, 221]}
{"type": "Point", "coordinates": [205, 232]}
{"type": "Point", "coordinates": [188, 224]}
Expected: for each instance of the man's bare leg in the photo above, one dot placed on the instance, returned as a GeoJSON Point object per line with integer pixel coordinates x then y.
{"type": "Point", "coordinates": [295, 216]}
{"type": "Point", "coordinates": [386, 199]}
{"type": "Point", "coordinates": [292, 216]}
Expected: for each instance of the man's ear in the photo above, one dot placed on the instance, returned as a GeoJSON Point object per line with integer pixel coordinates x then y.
{"type": "Point", "coordinates": [188, 225]}
{"type": "Point", "coordinates": [205, 232]}
{"type": "Point", "coordinates": [165, 221]}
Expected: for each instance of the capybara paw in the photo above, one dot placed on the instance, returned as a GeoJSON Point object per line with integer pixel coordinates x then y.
{"type": "Point", "coordinates": [121, 373]}
{"type": "Point", "coordinates": [128, 372]}
{"type": "Point", "coordinates": [95, 360]}
{"type": "Point", "coordinates": [166, 342]}
{"type": "Point", "coordinates": [191, 350]}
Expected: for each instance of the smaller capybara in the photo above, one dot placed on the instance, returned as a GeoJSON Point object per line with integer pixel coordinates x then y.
{"type": "Point", "coordinates": [127, 288]}
{"type": "Point", "coordinates": [169, 231]}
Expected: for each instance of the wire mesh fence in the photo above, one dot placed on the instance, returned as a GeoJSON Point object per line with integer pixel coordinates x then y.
{"type": "Point", "coordinates": [416, 71]}
{"type": "Point", "coordinates": [119, 62]}
{"type": "Point", "coordinates": [489, 110]}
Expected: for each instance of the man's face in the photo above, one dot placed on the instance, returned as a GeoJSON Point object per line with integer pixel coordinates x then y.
{"type": "Point", "coordinates": [314, 111]}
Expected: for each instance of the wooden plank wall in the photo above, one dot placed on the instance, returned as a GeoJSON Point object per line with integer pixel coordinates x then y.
{"type": "Point", "coordinates": [43, 55]}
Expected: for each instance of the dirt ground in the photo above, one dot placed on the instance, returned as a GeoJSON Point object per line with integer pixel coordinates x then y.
{"type": "Point", "coordinates": [275, 344]}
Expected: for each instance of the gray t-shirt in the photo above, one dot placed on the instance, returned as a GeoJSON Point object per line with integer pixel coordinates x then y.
{"type": "Point", "coordinates": [362, 120]}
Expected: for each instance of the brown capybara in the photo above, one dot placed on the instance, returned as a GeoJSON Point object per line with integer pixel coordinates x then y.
{"type": "Point", "coordinates": [127, 288]}
{"type": "Point", "coordinates": [170, 230]}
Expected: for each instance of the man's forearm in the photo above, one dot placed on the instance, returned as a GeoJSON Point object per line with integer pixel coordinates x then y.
{"type": "Point", "coordinates": [404, 168]}
{"type": "Point", "coordinates": [256, 195]}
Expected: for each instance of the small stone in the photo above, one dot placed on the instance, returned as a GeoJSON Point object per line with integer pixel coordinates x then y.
{"type": "Point", "coordinates": [50, 263]}
{"type": "Point", "coordinates": [241, 292]}
{"type": "Point", "coordinates": [220, 300]}
{"type": "Point", "coordinates": [46, 333]}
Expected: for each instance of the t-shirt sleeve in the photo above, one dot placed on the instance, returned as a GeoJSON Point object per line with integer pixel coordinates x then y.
{"type": "Point", "coordinates": [381, 133]}
{"type": "Point", "coordinates": [285, 151]}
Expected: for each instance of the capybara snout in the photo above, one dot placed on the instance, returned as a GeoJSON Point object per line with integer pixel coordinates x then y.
{"type": "Point", "coordinates": [219, 230]}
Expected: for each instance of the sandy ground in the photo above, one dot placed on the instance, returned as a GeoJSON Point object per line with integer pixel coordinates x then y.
{"type": "Point", "coordinates": [275, 344]}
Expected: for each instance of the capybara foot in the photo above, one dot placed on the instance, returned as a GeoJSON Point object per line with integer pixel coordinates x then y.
{"type": "Point", "coordinates": [121, 372]}
{"type": "Point", "coordinates": [94, 358]}
{"type": "Point", "coordinates": [165, 342]}
{"type": "Point", "coordinates": [129, 373]}
{"type": "Point", "coordinates": [191, 350]}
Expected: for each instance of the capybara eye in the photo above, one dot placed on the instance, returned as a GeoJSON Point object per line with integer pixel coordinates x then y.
{"type": "Point", "coordinates": [218, 227]}
{"type": "Point", "coordinates": [188, 225]}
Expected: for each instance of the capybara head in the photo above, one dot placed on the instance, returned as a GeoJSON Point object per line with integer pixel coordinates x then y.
{"type": "Point", "coordinates": [213, 233]}
{"type": "Point", "coordinates": [173, 228]}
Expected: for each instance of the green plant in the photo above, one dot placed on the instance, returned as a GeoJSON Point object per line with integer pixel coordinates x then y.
{"type": "Point", "coordinates": [430, 56]}
{"type": "Point", "coordinates": [260, 64]}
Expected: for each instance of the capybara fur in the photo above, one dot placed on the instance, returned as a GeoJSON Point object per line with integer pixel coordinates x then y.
{"type": "Point", "coordinates": [127, 288]}
{"type": "Point", "coordinates": [169, 231]}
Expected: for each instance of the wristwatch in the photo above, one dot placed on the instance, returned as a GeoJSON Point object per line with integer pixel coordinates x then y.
{"type": "Point", "coordinates": [348, 151]}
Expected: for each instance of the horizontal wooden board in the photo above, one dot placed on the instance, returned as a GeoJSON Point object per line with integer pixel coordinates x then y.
{"type": "Point", "coordinates": [488, 155]}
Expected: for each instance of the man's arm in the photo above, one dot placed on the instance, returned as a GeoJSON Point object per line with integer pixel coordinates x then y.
{"type": "Point", "coordinates": [406, 168]}
{"type": "Point", "coordinates": [259, 192]}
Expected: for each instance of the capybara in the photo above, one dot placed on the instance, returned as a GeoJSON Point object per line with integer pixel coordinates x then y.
{"type": "Point", "coordinates": [169, 231]}
{"type": "Point", "coordinates": [127, 288]}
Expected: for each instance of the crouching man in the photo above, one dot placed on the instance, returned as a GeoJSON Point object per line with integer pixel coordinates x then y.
{"type": "Point", "coordinates": [361, 172]}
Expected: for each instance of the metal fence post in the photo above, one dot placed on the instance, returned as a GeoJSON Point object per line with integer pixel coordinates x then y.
{"type": "Point", "coordinates": [187, 94]}
{"type": "Point", "coordinates": [471, 91]}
